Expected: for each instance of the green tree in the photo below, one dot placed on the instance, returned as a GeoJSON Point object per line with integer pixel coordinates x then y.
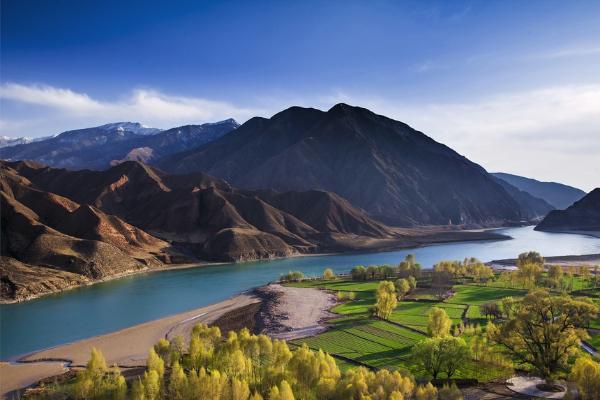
{"type": "Point", "coordinates": [530, 266]}
{"type": "Point", "coordinates": [359, 273]}
{"type": "Point", "coordinates": [455, 353]}
{"type": "Point", "coordinates": [385, 299]}
{"type": "Point", "coordinates": [545, 330]}
{"type": "Point", "coordinates": [438, 323]}
{"type": "Point", "coordinates": [402, 287]}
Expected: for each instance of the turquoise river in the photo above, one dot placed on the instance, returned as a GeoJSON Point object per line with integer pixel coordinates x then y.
{"type": "Point", "coordinates": [109, 306]}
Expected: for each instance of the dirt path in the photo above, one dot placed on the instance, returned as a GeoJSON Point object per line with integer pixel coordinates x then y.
{"type": "Point", "coordinates": [126, 348]}
{"type": "Point", "coordinates": [293, 313]}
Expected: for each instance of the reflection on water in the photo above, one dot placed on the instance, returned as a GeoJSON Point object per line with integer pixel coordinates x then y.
{"type": "Point", "coordinates": [110, 306]}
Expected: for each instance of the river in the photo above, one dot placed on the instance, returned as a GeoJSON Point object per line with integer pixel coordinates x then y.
{"type": "Point", "coordinates": [110, 306]}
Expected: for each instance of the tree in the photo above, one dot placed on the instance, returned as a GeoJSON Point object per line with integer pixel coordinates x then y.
{"type": "Point", "coordinates": [530, 266]}
{"type": "Point", "coordinates": [372, 272]}
{"type": "Point", "coordinates": [438, 323]}
{"type": "Point", "coordinates": [441, 283]}
{"type": "Point", "coordinates": [359, 273]}
{"type": "Point", "coordinates": [545, 330]}
{"type": "Point", "coordinates": [402, 287]}
{"type": "Point", "coordinates": [555, 274]}
{"type": "Point", "coordinates": [328, 274]}
{"type": "Point", "coordinates": [490, 309]}
{"type": "Point", "coordinates": [441, 354]}
{"type": "Point", "coordinates": [585, 274]}
{"type": "Point", "coordinates": [455, 353]}
{"type": "Point", "coordinates": [98, 381]}
{"type": "Point", "coordinates": [508, 306]}
{"type": "Point", "coordinates": [412, 281]}
{"type": "Point", "coordinates": [427, 392]}
{"type": "Point", "coordinates": [450, 392]}
{"type": "Point", "coordinates": [586, 374]}
{"type": "Point", "coordinates": [386, 299]}
{"type": "Point", "coordinates": [177, 382]}
{"type": "Point", "coordinates": [155, 363]}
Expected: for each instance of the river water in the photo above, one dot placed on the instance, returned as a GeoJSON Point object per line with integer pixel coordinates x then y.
{"type": "Point", "coordinates": [110, 306]}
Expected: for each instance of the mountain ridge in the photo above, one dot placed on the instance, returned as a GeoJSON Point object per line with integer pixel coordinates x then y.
{"type": "Point", "coordinates": [397, 174]}
{"type": "Point", "coordinates": [558, 195]}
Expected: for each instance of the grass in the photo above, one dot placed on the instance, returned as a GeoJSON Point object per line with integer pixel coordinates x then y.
{"type": "Point", "coordinates": [477, 295]}
{"type": "Point", "coordinates": [357, 338]}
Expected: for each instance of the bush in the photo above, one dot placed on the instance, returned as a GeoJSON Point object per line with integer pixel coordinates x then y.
{"type": "Point", "coordinates": [292, 276]}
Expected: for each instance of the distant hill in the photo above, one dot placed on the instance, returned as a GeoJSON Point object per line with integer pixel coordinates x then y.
{"type": "Point", "coordinates": [532, 208]}
{"type": "Point", "coordinates": [556, 194]}
{"type": "Point", "coordinates": [584, 215]}
{"type": "Point", "coordinates": [106, 145]}
{"type": "Point", "coordinates": [396, 174]}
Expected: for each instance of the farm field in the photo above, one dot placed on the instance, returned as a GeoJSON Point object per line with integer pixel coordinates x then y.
{"type": "Point", "coordinates": [356, 337]}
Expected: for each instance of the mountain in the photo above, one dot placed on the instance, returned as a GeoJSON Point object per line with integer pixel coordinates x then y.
{"type": "Point", "coordinates": [211, 219]}
{"type": "Point", "coordinates": [583, 215]}
{"type": "Point", "coordinates": [532, 208]}
{"type": "Point", "coordinates": [396, 174]}
{"type": "Point", "coordinates": [106, 145]}
{"type": "Point", "coordinates": [45, 235]}
{"type": "Point", "coordinates": [559, 196]}
{"type": "Point", "coordinates": [6, 141]}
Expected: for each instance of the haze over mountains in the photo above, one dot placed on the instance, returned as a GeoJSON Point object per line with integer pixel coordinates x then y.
{"type": "Point", "coordinates": [103, 146]}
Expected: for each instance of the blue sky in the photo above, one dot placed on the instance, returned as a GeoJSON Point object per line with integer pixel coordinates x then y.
{"type": "Point", "coordinates": [513, 85]}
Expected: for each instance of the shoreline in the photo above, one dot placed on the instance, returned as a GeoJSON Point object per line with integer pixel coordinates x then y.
{"type": "Point", "coordinates": [126, 347]}
{"type": "Point", "coordinates": [270, 309]}
{"type": "Point", "coordinates": [454, 236]}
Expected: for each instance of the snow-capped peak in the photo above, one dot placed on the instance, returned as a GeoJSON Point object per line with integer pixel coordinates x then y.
{"type": "Point", "coordinates": [133, 127]}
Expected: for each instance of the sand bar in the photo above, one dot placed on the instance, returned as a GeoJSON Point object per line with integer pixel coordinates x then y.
{"type": "Point", "coordinates": [126, 348]}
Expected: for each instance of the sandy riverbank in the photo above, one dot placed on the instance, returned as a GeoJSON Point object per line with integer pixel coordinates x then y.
{"type": "Point", "coordinates": [291, 313]}
{"type": "Point", "coordinates": [126, 348]}
{"type": "Point", "coordinates": [279, 311]}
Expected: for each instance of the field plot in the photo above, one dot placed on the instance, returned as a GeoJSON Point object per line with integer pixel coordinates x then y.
{"type": "Point", "coordinates": [477, 295]}
{"type": "Point", "coordinates": [415, 314]}
{"type": "Point", "coordinates": [373, 343]}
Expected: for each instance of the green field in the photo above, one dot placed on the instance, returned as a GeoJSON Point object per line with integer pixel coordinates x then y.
{"type": "Point", "coordinates": [358, 338]}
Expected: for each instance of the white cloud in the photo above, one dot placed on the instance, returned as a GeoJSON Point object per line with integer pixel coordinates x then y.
{"type": "Point", "coordinates": [144, 105]}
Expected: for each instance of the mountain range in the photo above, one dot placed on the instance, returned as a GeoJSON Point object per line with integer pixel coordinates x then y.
{"type": "Point", "coordinates": [396, 174]}
{"type": "Point", "coordinates": [102, 146]}
{"type": "Point", "coordinates": [559, 196]}
{"type": "Point", "coordinates": [131, 198]}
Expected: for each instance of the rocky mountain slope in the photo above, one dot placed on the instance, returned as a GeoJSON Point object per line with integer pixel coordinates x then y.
{"type": "Point", "coordinates": [395, 173]}
{"type": "Point", "coordinates": [210, 219]}
{"type": "Point", "coordinates": [45, 235]}
{"type": "Point", "coordinates": [583, 215]}
{"type": "Point", "coordinates": [559, 196]}
{"type": "Point", "coordinates": [532, 208]}
{"type": "Point", "coordinates": [106, 145]}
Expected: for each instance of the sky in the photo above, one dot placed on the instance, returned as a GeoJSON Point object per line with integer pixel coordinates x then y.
{"type": "Point", "coordinates": [512, 85]}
